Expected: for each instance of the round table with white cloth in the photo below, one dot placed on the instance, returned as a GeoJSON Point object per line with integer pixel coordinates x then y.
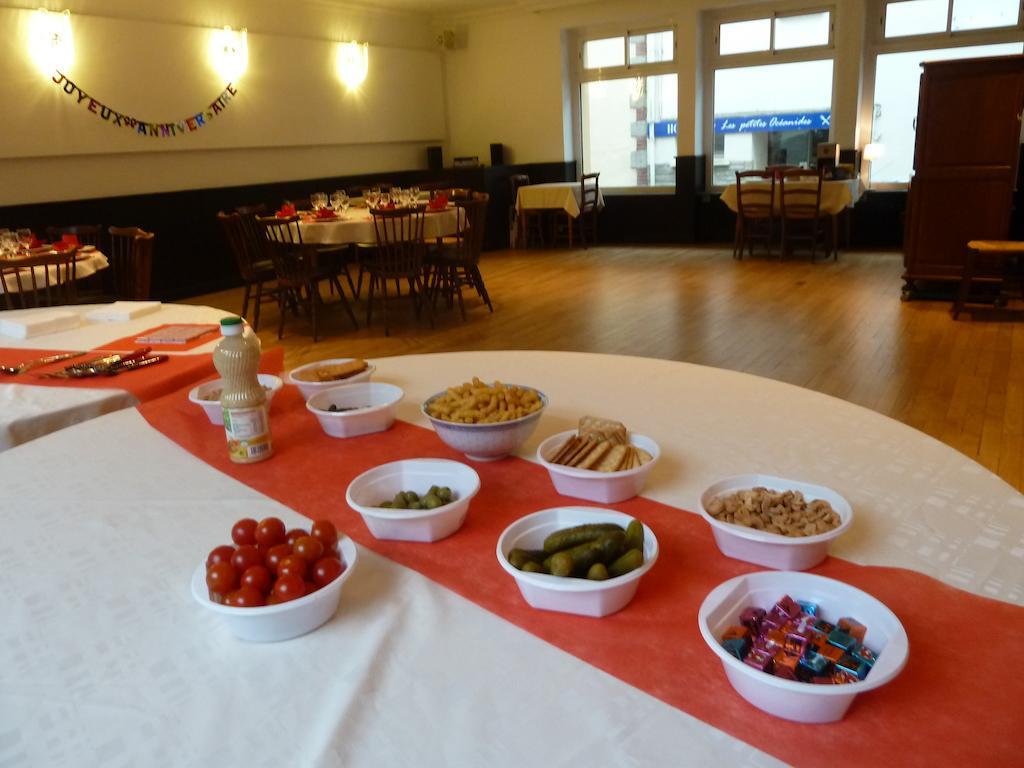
{"type": "Point", "coordinates": [87, 264]}
{"type": "Point", "coordinates": [105, 658]}
{"type": "Point", "coordinates": [356, 226]}
{"type": "Point", "coordinates": [28, 411]}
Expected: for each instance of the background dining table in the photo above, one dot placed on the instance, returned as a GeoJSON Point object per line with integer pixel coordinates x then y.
{"type": "Point", "coordinates": [836, 195]}
{"type": "Point", "coordinates": [105, 658]}
{"type": "Point", "coordinates": [356, 226]}
{"type": "Point", "coordinates": [87, 264]}
{"type": "Point", "coordinates": [29, 410]}
{"type": "Point", "coordinates": [558, 195]}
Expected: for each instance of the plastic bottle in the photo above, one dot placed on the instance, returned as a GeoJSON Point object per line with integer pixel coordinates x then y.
{"type": "Point", "coordinates": [243, 399]}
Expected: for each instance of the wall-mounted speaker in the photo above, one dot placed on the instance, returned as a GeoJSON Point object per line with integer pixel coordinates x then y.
{"type": "Point", "coordinates": [435, 158]}
{"type": "Point", "coordinates": [497, 154]}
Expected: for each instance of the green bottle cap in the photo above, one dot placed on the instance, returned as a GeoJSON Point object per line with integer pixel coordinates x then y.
{"type": "Point", "coordinates": [231, 321]}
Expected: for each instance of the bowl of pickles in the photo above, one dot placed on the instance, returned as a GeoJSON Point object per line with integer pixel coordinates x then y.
{"type": "Point", "coordinates": [414, 499]}
{"type": "Point", "coordinates": [582, 560]}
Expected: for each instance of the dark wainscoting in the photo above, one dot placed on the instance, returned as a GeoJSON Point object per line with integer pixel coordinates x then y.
{"type": "Point", "coordinates": [191, 256]}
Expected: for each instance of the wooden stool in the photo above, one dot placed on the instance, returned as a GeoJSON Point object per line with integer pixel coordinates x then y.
{"type": "Point", "coordinates": [998, 250]}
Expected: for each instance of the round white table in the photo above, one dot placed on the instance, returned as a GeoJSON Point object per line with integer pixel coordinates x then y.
{"type": "Point", "coordinates": [105, 657]}
{"type": "Point", "coordinates": [28, 410]}
{"type": "Point", "coordinates": [86, 265]}
{"type": "Point", "coordinates": [356, 226]}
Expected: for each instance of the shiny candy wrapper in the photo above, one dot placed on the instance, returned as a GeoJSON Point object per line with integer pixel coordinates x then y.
{"type": "Point", "coordinates": [853, 628]}
{"type": "Point", "coordinates": [811, 609]}
{"type": "Point", "coordinates": [840, 639]}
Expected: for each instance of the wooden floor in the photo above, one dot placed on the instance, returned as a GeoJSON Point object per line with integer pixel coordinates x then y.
{"type": "Point", "coordinates": [838, 328]}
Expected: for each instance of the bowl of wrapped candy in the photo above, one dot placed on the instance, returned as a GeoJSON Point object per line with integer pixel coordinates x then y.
{"type": "Point", "coordinates": [801, 646]}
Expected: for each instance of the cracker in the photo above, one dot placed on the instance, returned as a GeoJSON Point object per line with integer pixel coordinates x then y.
{"type": "Point", "coordinates": [585, 446]}
{"type": "Point", "coordinates": [596, 454]}
{"type": "Point", "coordinates": [612, 460]}
{"type": "Point", "coordinates": [333, 371]}
{"type": "Point", "coordinates": [644, 456]}
{"type": "Point", "coordinates": [567, 448]}
{"type": "Point", "coordinates": [615, 431]}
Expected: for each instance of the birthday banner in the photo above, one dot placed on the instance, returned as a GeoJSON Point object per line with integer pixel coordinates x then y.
{"type": "Point", "coordinates": [190, 124]}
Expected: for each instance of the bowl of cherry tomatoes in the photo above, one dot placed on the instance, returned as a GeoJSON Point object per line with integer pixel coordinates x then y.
{"type": "Point", "coordinates": [274, 584]}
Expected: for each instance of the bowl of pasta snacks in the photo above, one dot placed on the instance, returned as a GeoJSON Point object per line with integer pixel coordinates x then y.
{"type": "Point", "coordinates": [600, 461]}
{"type": "Point", "coordinates": [485, 421]}
{"type": "Point", "coordinates": [772, 521]}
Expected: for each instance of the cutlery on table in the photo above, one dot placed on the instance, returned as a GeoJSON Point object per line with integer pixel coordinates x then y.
{"type": "Point", "coordinates": [134, 364]}
{"type": "Point", "coordinates": [95, 366]}
{"type": "Point", "coordinates": [14, 370]}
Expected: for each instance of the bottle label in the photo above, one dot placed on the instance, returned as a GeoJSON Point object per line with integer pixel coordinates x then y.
{"type": "Point", "coordinates": [248, 433]}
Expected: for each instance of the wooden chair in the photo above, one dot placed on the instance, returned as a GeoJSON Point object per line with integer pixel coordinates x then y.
{"type": "Point", "coordinates": [46, 280]}
{"type": "Point", "coordinates": [457, 263]}
{"type": "Point", "coordinates": [526, 222]}
{"type": "Point", "coordinates": [590, 196]}
{"type": "Point", "coordinates": [800, 209]}
{"type": "Point", "coordinates": [399, 256]}
{"type": "Point", "coordinates": [131, 262]}
{"type": "Point", "coordinates": [996, 262]}
{"type": "Point", "coordinates": [87, 234]}
{"type": "Point", "coordinates": [299, 270]}
{"type": "Point", "coordinates": [245, 239]}
{"type": "Point", "coordinates": [755, 213]}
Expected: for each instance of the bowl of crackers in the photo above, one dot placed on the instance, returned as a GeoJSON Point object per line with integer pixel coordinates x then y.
{"type": "Point", "coordinates": [485, 421]}
{"type": "Point", "coordinates": [600, 461]}
{"type": "Point", "coordinates": [324, 374]}
{"type": "Point", "coordinates": [775, 522]}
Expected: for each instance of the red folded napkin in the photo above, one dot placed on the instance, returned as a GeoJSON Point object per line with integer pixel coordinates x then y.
{"type": "Point", "coordinates": [70, 240]}
{"type": "Point", "coordinates": [325, 213]}
{"type": "Point", "coordinates": [36, 243]}
{"type": "Point", "coordinates": [286, 210]}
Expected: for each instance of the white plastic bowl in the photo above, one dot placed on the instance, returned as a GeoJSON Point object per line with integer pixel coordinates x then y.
{"type": "Point", "coordinates": [271, 623]}
{"type": "Point", "coordinates": [380, 401]}
{"type": "Point", "coordinates": [602, 487]}
{"type": "Point", "coordinates": [786, 553]}
{"type": "Point", "coordinates": [571, 595]}
{"type": "Point", "coordinates": [487, 442]}
{"type": "Point", "coordinates": [212, 408]}
{"type": "Point", "coordinates": [310, 388]}
{"type": "Point", "coordinates": [383, 482]}
{"type": "Point", "coordinates": [790, 699]}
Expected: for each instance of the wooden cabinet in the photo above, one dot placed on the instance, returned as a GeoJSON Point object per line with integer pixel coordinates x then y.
{"type": "Point", "coordinates": [965, 163]}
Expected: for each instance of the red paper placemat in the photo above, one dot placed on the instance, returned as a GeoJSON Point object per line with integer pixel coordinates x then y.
{"type": "Point", "coordinates": [146, 383]}
{"type": "Point", "coordinates": [940, 711]}
{"type": "Point", "coordinates": [132, 341]}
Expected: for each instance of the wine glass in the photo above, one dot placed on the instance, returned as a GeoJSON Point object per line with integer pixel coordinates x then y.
{"type": "Point", "coordinates": [414, 193]}
{"type": "Point", "coordinates": [344, 203]}
{"type": "Point", "coordinates": [318, 200]}
{"type": "Point", "coordinates": [24, 238]}
{"type": "Point", "coordinates": [8, 244]}
{"type": "Point", "coordinates": [385, 199]}
{"type": "Point", "coordinates": [373, 197]}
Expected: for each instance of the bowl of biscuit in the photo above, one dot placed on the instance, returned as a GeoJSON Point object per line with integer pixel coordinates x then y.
{"type": "Point", "coordinates": [324, 374]}
{"type": "Point", "coordinates": [600, 461]}
{"type": "Point", "coordinates": [485, 421]}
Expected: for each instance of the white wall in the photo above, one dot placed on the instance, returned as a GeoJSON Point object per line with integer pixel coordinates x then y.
{"type": "Point", "coordinates": [291, 119]}
{"type": "Point", "coordinates": [503, 78]}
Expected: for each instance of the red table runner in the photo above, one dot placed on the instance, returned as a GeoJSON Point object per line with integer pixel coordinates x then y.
{"type": "Point", "coordinates": [955, 702]}
{"type": "Point", "coordinates": [130, 342]}
{"type": "Point", "coordinates": [146, 383]}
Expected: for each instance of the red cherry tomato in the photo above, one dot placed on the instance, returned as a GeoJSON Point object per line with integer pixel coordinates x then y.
{"type": "Point", "coordinates": [275, 555]}
{"type": "Point", "coordinates": [257, 577]}
{"type": "Point", "coordinates": [326, 570]}
{"type": "Point", "coordinates": [220, 554]}
{"type": "Point", "coordinates": [246, 556]}
{"type": "Point", "coordinates": [270, 531]}
{"type": "Point", "coordinates": [310, 587]}
{"type": "Point", "coordinates": [222, 578]}
{"type": "Point", "coordinates": [292, 565]}
{"type": "Point", "coordinates": [289, 587]}
{"type": "Point", "coordinates": [245, 597]}
{"type": "Point", "coordinates": [294, 535]}
{"type": "Point", "coordinates": [244, 531]}
{"type": "Point", "coordinates": [326, 532]}
{"type": "Point", "coordinates": [309, 549]}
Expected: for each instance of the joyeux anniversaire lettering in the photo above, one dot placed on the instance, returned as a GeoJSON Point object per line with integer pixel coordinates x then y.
{"type": "Point", "coordinates": [162, 130]}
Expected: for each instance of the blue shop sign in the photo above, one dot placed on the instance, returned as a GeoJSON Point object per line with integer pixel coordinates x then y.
{"type": "Point", "coordinates": [796, 121]}
{"type": "Point", "coordinates": [665, 128]}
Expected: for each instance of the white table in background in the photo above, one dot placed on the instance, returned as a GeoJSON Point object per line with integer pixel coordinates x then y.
{"type": "Point", "coordinates": [28, 410]}
{"type": "Point", "coordinates": [356, 226]}
{"type": "Point", "coordinates": [86, 265]}
{"type": "Point", "coordinates": [105, 659]}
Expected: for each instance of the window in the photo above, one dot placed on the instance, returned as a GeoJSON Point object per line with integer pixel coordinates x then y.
{"type": "Point", "coordinates": [771, 85]}
{"type": "Point", "coordinates": [629, 109]}
{"type": "Point", "coordinates": [922, 17]}
{"type": "Point", "coordinates": [777, 33]}
{"type": "Point", "coordinates": [912, 32]}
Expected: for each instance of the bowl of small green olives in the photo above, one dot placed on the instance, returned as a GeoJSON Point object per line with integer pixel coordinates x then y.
{"type": "Point", "coordinates": [414, 499]}
{"type": "Point", "coordinates": [582, 560]}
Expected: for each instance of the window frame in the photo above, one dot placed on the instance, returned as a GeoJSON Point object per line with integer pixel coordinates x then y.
{"type": "Point", "coordinates": [876, 44]}
{"type": "Point", "coordinates": [583, 75]}
{"type": "Point", "coordinates": [715, 61]}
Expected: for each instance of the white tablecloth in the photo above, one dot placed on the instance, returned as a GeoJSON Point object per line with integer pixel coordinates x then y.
{"type": "Point", "coordinates": [560, 195]}
{"type": "Point", "coordinates": [86, 265]}
{"type": "Point", "coordinates": [357, 227]}
{"type": "Point", "coordinates": [105, 659]}
{"type": "Point", "coordinates": [28, 410]}
{"type": "Point", "coordinates": [835, 195]}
